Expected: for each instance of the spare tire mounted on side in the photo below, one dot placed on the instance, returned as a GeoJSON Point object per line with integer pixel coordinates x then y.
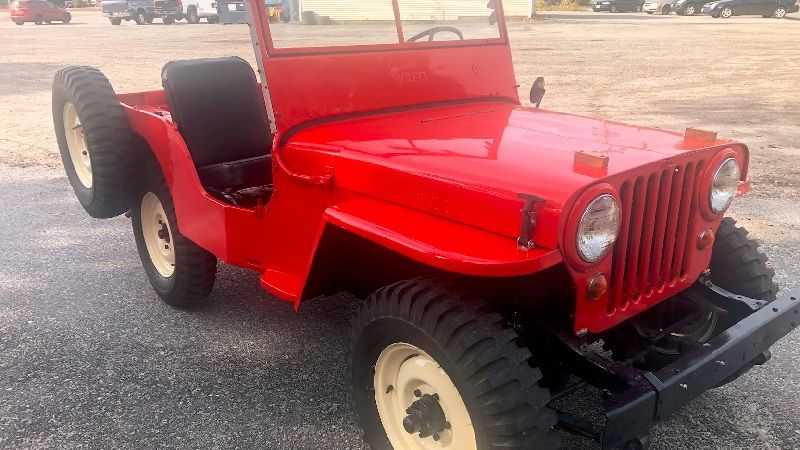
{"type": "Point", "coordinates": [95, 140]}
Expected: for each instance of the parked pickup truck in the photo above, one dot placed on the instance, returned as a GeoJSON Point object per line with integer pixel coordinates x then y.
{"type": "Point", "coordinates": [142, 11]}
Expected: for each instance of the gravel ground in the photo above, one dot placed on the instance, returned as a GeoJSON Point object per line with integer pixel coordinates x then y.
{"type": "Point", "coordinates": [89, 358]}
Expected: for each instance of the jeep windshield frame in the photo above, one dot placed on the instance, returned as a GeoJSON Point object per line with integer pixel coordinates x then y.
{"type": "Point", "coordinates": [260, 18]}
{"type": "Point", "coordinates": [306, 85]}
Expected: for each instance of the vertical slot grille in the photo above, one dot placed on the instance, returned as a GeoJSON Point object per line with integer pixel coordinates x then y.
{"type": "Point", "coordinates": [653, 247]}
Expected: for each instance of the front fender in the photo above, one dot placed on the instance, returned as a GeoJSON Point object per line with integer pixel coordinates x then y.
{"type": "Point", "coordinates": [438, 242]}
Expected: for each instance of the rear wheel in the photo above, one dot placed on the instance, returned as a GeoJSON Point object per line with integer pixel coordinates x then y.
{"type": "Point", "coordinates": [214, 19]}
{"type": "Point", "coordinates": [665, 10]}
{"type": "Point", "coordinates": [780, 12]}
{"type": "Point", "coordinates": [38, 20]}
{"type": "Point", "coordinates": [96, 143]}
{"type": "Point", "coordinates": [67, 18]}
{"type": "Point", "coordinates": [115, 21]}
{"type": "Point", "coordinates": [726, 12]}
{"type": "Point", "coordinates": [433, 369]}
{"type": "Point", "coordinates": [169, 20]}
{"type": "Point", "coordinates": [19, 22]}
{"type": "Point", "coordinates": [140, 18]}
{"type": "Point", "coordinates": [181, 273]}
{"type": "Point", "coordinates": [191, 16]}
{"type": "Point", "coordinates": [690, 10]}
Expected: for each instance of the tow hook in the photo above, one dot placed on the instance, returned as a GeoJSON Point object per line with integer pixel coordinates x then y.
{"type": "Point", "coordinates": [426, 417]}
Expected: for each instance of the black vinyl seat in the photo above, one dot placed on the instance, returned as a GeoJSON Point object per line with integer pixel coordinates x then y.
{"type": "Point", "coordinates": [219, 110]}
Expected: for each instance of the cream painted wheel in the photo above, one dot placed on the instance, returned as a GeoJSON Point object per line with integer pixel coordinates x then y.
{"type": "Point", "coordinates": [76, 143]}
{"type": "Point", "coordinates": [405, 377]}
{"type": "Point", "coordinates": [157, 235]}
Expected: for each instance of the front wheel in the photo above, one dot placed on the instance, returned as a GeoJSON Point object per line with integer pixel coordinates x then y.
{"type": "Point", "coordinates": [213, 19]}
{"type": "Point", "coordinates": [726, 12]}
{"type": "Point", "coordinates": [432, 368]}
{"type": "Point", "coordinates": [67, 18]}
{"type": "Point", "coordinates": [140, 18]}
{"type": "Point", "coordinates": [690, 10]}
{"type": "Point", "coordinates": [780, 12]}
{"type": "Point", "coordinates": [169, 20]}
{"type": "Point", "coordinates": [115, 21]}
{"type": "Point", "coordinates": [181, 273]}
{"type": "Point", "coordinates": [19, 22]}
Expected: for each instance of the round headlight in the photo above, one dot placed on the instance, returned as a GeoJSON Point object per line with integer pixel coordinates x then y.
{"type": "Point", "coordinates": [725, 184]}
{"type": "Point", "coordinates": [598, 228]}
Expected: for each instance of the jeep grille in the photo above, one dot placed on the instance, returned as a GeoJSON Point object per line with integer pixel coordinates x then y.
{"type": "Point", "coordinates": [654, 248]}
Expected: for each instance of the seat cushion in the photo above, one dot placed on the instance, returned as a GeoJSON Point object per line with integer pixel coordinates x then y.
{"type": "Point", "coordinates": [219, 109]}
{"type": "Point", "coordinates": [235, 175]}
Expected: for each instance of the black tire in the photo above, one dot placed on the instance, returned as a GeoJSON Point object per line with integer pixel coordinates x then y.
{"type": "Point", "coordinates": [738, 266]}
{"type": "Point", "coordinates": [108, 139]}
{"type": "Point", "coordinates": [476, 348]}
{"type": "Point", "coordinates": [729, 14]}
{"type": "Point", "coordinates": [115, 21]}
{"type": "Point", "coordinates": [690, 9]}
{"type": "Point", "coordinates": [665, 10]}
{"type": "Point", "coordinates": [779, 13]}
{"type": "Point", "coordinates": [195, 268]}
{"type": "Point", "coordinates": [67, 18]}
{"type": "Point", "coordinates": [214, 19]}
{"type": "Point", "coordinates": [169, 20]}
{"type": "Point", "coordinates": [38, 20]}
{"type": "Point", "coordinates": [191, 16]}
{"type": "Point", "coordinates": [19, 22]}
{"type": "Point", "coordinates": [140, 18]}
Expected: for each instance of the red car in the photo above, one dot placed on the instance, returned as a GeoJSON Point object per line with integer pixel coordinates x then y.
{"type": "Point", "coordinates": [38, 12]}
{"type": "Point", "coordinates": [507, 255]}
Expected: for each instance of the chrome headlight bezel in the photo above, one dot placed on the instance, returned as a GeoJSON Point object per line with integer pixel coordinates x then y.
{"type": "Point", "coordinates": [606, 209]}
{"type": "Point", "coordinates": [724, 185]}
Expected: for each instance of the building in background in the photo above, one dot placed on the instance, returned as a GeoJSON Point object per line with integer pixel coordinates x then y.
{"type": "Point", "coordinates": [353, 10]}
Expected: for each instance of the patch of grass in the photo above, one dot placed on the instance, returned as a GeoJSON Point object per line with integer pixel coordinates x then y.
{"type": "Point", "coordinates": [561, 5]}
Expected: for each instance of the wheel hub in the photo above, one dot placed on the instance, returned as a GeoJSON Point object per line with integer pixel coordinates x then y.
{"type": "Point", "coordinates": [76, 144]}
{"type": "Point", "coordinates": [157, 235]}
{"type": "Point", "coordinates": [426, 417]}
{"type": "Point", "coordinates": [419, 406]}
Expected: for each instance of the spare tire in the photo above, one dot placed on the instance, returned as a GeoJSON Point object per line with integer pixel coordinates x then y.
{"type": "Point", "coordinates": [95, 140]}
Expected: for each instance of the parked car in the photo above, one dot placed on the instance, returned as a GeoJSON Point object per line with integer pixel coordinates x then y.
{"type": "Point", "coordinates": [765, 8]}
{"type": "Point", "coordinates": [38, 12]}
{"type": "Point", "coordinates": [201, 9]}
{"type": "Point", "coordinates": [617, 5]}
{"type": "Point", "coordinates": [657, 7]}
{"type": "Point", "coordinates": [687, 7]}
{"type": "Point", "coordinates": [142, 11]}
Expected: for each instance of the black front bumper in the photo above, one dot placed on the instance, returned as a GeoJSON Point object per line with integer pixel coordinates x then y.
{"type": "Point", "coordinates": [655, 395]}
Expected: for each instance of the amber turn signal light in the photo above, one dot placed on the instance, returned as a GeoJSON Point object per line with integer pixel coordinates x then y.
{"type": "Point", "coordinates": [705, 239]}
{"type": "Point", "coordinates": [596, 287]}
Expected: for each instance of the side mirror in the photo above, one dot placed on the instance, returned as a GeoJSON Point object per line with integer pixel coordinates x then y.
{"type": "Point", "coordinates": [537, 91]}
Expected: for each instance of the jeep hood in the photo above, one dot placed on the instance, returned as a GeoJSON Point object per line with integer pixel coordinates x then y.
{"type": "Point", "coordinates": [455, 161]}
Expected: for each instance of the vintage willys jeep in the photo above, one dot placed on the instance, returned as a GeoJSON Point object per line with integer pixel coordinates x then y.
{"type": "Point", "coordinates": [507, 254]}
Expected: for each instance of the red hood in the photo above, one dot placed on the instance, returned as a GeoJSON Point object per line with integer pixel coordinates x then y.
{"type": "Point", "coordinates": [498, 149]}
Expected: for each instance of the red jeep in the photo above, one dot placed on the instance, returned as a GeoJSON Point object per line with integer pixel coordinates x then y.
{"type": "Point", "coordinates": [504, 251]}
{"type": "Point", "coordinates": [38, 12]}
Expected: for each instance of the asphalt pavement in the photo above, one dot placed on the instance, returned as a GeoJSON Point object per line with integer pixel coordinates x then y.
{"type": "Point", "coordinates": [90, 358]}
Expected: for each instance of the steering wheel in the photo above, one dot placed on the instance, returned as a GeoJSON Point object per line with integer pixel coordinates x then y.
{"type": "Point", "coordinates": [431, 32]}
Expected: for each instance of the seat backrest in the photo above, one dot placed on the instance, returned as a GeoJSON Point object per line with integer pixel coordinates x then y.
{"type": "Point", "coordinates": [219, 109]}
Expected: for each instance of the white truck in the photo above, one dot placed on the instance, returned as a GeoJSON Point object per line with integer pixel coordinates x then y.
{"type": "Point", "coordinates": [194, 10]}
